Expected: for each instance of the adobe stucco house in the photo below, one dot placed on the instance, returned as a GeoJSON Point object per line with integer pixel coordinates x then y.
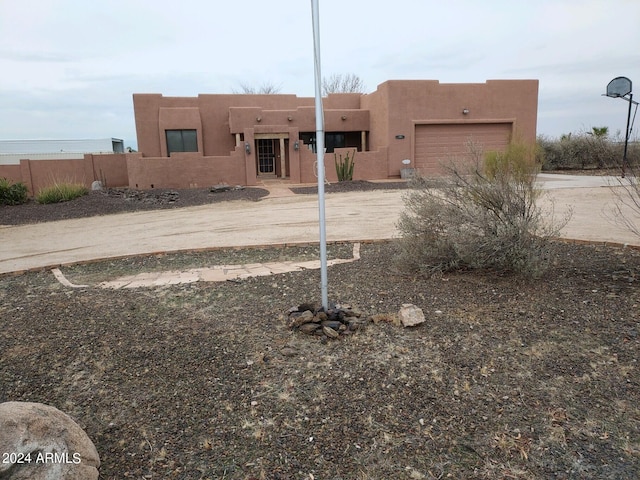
{"type": "Point", "coordinates": [186, 142]}
{"type": "Point", "coordinates": [242, 139]}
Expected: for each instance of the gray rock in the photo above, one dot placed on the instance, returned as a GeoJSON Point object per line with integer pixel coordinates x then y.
{"type": "Point", "coordinates": [309, 328]}
{"type": "Point", "coordinates": [221, 187]}
{"type": "Point", "coordinates": [330, 332]}
{"type": "Point", "coordinates": [353, 326]}
{"type": "Point", "coordinates": [56, 447]}
{"type": "Point", "coordinates": [96, 186]}
{"type": "Point", "coordinates": [410, 315]}
{"type": "Point", "coordinates": [289, 351]}
{"type": "Point", "coordinates": [304, 317]}
{"type": "Point", "coordinates": [331, 324]}
{"type": "Point", "coordinates": [353, 312]}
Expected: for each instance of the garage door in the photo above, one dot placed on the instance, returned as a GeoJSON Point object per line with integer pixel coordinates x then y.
{"type": "Point", "coordinates": [438, 145]}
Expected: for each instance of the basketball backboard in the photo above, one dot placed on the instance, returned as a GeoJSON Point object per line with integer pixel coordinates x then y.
{"type": "Point", "coordinates": [619, 87]}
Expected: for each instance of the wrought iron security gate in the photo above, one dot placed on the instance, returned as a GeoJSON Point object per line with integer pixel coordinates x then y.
{"type": "Point", "coordinates": [266, 157]}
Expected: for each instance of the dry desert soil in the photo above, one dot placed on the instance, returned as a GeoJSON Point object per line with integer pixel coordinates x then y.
{"type": "Point", "coordinates": [508, 378]}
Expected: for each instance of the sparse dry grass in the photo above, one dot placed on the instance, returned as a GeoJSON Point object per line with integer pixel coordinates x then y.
{"type": "Point", "coordinates": [507, 379]}
{"type": "Point", "coordinates": [61, 192]}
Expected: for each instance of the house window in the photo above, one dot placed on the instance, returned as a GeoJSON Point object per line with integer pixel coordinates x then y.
{"type": "Point", "coordinates": [181, 141]}
{"type": "Point", "coordinates": [332, 140]}
{"type": "Point", "coordinates": [309, 139]}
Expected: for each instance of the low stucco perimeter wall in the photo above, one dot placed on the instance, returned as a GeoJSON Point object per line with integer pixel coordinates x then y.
{"type": "Point", "coordinates": [186, 170]}
{"type": "Point", "coordinates": [368, 165]}
{"type": "Point", "coordinates": [111, 169]}
{"type": "Point", "coordinates": [11, 173]}
{"type": "Point", "coordinates": [181, 170]}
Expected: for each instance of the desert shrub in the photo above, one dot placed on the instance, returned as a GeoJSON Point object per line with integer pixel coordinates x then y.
{"type": "Point", "coordinates": [588, 150]}
{"type": "Point", "coordinates": [633, 154]}
{"type": "Point", "coordinates": [625, 211]}
{"type": "Point", "coordinates": [344, 167]}
{"type": "Point", "coordinates": [61, 192]}
{"type": "Point", "coordinates": [480, 216]}
{"type": "Point", "coordinates": [12, 193]}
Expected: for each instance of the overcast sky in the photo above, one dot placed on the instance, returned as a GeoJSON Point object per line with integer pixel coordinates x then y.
{"type": "Point", "coordinates": [68, 68]}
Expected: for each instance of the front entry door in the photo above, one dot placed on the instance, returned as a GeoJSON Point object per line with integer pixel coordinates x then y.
{"type": "Point", "coordinates": [266, 156]}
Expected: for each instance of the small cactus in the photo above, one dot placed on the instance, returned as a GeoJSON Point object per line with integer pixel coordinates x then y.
{"type": "Point", "coordinates": [344, 167]}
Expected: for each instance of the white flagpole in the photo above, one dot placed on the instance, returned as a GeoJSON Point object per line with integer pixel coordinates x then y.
{"type": "Point", "coordinates": [320, 152]}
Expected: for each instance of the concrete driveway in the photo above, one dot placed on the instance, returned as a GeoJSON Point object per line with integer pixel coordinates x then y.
{"type": "Point", "coordinates": [280, 218]}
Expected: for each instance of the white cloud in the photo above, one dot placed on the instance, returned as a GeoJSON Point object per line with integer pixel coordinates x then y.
{"type": "Point", "coordinates": [70, 68]}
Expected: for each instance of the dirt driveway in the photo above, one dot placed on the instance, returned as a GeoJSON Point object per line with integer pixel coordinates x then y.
{"type": "Point", "coordinates": [277, 219]}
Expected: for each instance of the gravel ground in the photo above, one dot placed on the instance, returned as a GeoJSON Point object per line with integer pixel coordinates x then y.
{"type": "Point", "coordinates": [508, 378]}
{"type": "Point", "coordinates": [120, 200]}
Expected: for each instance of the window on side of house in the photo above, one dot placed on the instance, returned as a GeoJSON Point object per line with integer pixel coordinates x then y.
{"type": "Point", "coordinates": [309, 139]}
{"type": "Point", "coordinates": [181, 141]}
{"type": "Point", "coordinates": [332, 140]}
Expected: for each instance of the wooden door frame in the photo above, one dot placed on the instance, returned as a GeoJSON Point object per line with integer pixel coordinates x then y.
{"type": "Point", "coordinates": [281, 147]}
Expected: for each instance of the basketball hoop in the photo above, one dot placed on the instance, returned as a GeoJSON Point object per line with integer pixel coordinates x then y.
{"type": "Point", "coordinates": [620, 87]}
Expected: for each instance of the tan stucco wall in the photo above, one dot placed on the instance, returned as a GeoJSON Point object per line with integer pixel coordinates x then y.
{"type": "Point", "coordinates": [378, 105]}
{"type": "Point", "coordinates": [406, 103]}
{"type": "Point", "coordinates": [37, 174]}
{"type": "Point", "coordinates": [111, 169]}
{"type": "Point", "coordinates": [302, 119]}
{"type": "Point", "coordinates": [186, 170]}
{"type": "Point", "coordinates": [12, 173]}
{"type": "Point", "coordinates": [369, 165]}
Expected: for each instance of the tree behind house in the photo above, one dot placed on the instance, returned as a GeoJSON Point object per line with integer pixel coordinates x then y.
{"type": "Point", "coordinates": [342, 83]}
{"type": "Point", "coordinates": [267, 88]}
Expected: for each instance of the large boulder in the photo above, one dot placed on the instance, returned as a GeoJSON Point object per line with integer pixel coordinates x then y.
{"type": "Point", "coordinates": [39, 442]}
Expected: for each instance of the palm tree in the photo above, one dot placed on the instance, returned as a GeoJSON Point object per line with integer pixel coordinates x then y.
{"type": "Point", "coordinates": [600, 132]}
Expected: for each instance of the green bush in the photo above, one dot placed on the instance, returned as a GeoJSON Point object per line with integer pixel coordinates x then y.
{"type": "Point", "coordinates": [481, 216]}
{"type": "Point", "coordinates": [12, 193]}
{"type": "Point", "coordinates": [61, 192]}
{"type": "Point", "coordinates": [344, 167]}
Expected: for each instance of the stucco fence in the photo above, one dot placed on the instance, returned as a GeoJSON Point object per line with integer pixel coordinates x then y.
{"type": "Point", "coordinates": [183, 170]}
{"type": "Point", "coordinates": [111, 169]}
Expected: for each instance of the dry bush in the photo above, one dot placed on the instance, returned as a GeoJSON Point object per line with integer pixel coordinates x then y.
{"type": "Point", "coordinates": [483, 215]}
{"type": "Point", "coordinates": [586, 150]}
{"type": "Point", "coordinates": [626, 209]}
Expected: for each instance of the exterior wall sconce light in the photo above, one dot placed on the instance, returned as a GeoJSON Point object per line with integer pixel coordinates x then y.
{"type": "Point", "coordinates": [258, 119]}
{"type": "Point", "coordinates": [465, 111]}
{"type": "Point", "coordinates": [344, 117]}
{"type": "Point", "coordinates": [247, 148]}
{"type": "Point", "coordinates": [296, 145]}
{"type": "Point", "coordinates": [290, 118]}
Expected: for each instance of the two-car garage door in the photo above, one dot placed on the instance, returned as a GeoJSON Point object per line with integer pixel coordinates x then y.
{"type": "Point", "coordinates": [439, 144]}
